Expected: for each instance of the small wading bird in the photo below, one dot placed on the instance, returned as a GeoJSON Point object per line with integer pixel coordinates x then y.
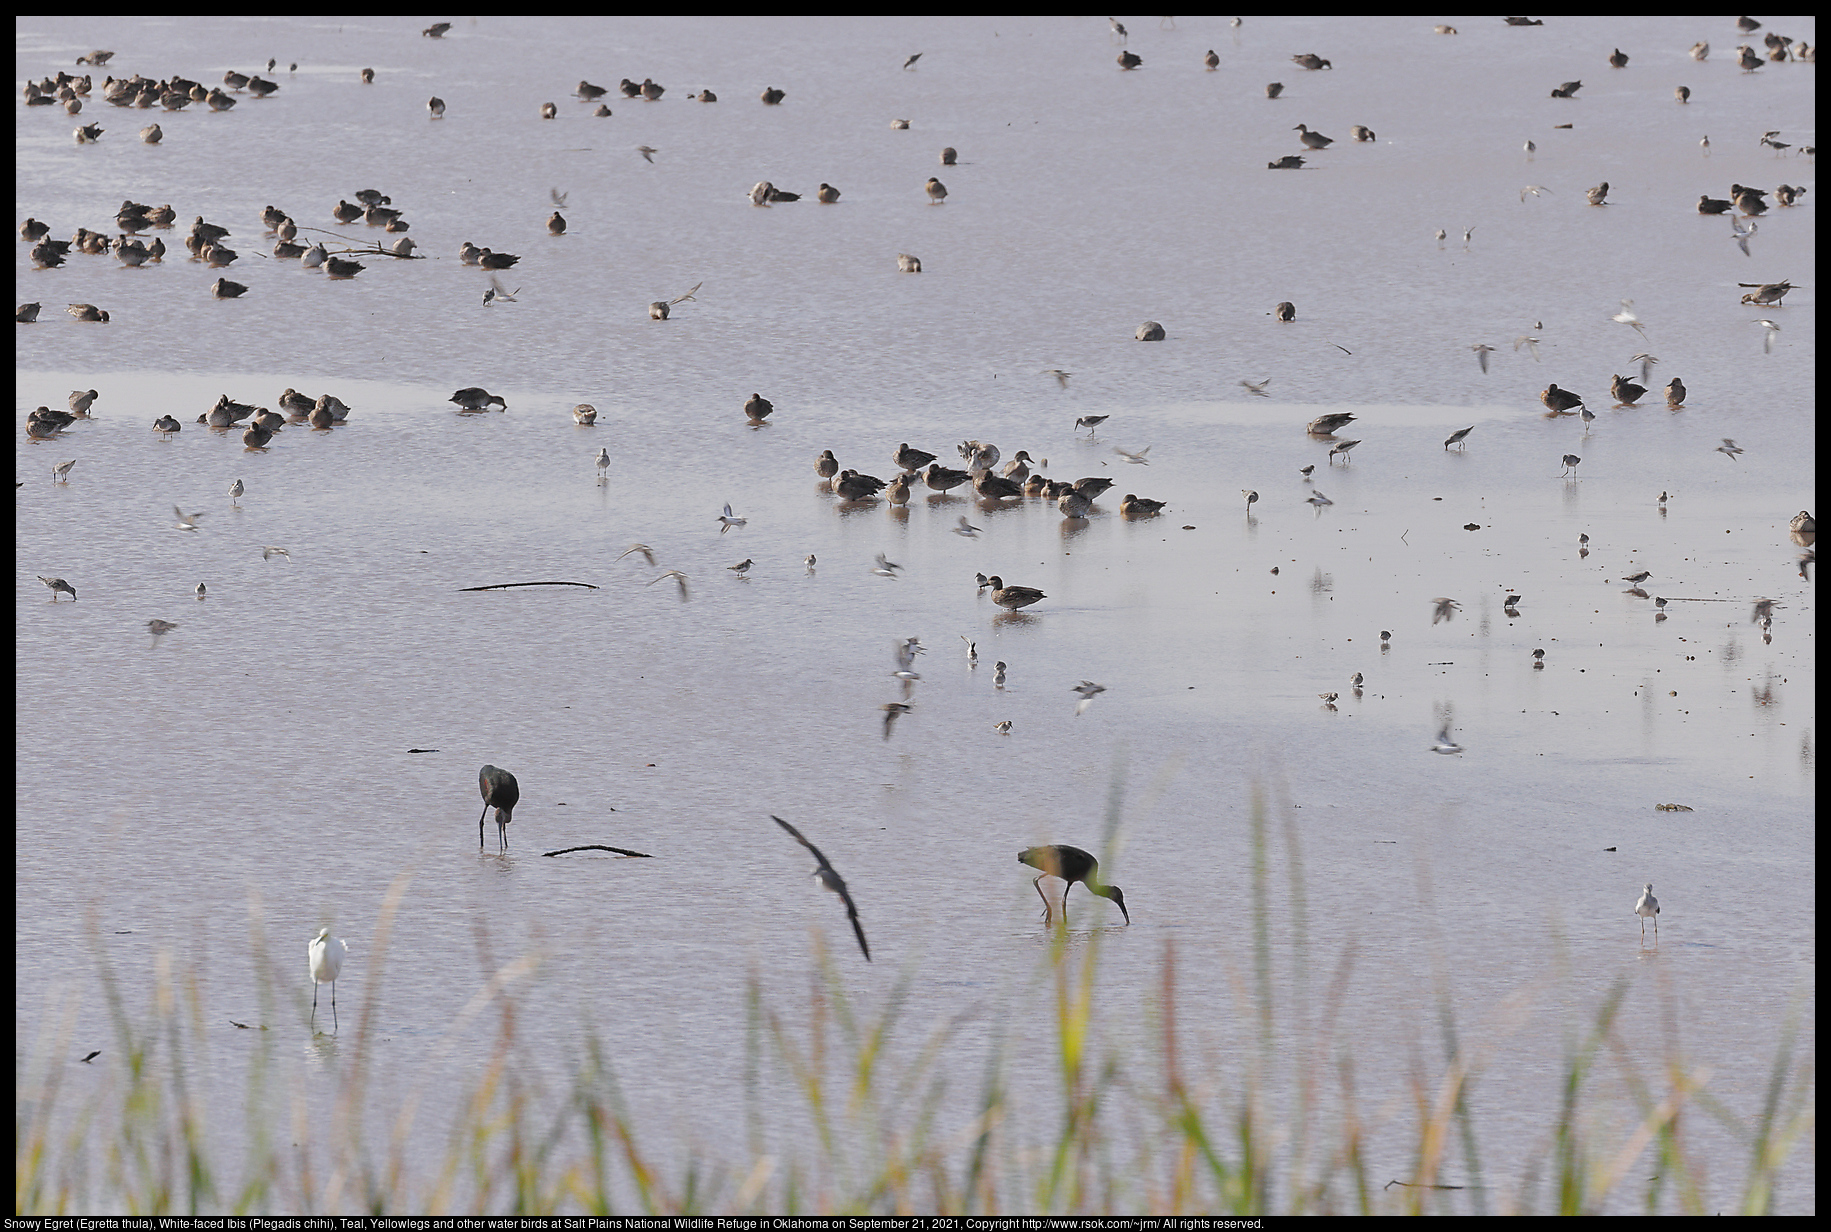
{"type": "Point", "coordinates": [1071, 864]}
{"type": "Point", "coordinates": [1090, 422]}
{"type": "Point", "coordinates": [58, 586]}
{"type": "Point", "coordinates": [325, 953]}
{"type": "Point", "coordinates": [830, 879]}
{"type": "Point", "coordinates": [1647, 909]}
{"type": "Point", "coordinates": [501, 792]}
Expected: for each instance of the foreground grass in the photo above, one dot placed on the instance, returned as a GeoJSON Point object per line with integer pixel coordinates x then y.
{"type": "Point", "coordinates": [1124, 1133]}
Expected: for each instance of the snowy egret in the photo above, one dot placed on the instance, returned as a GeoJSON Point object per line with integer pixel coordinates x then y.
{"type": "Point", "coordinates": [326, 954]}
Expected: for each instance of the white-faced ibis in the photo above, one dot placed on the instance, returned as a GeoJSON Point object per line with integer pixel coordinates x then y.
{"type": "Point", "coordinates": [1071, 864]}
{"type": "Point", "coordinates": [326, 954]}
{"type": "Point", "coordinates": [502, 792]}
{"type": "Point", "coordinates": [827, 876]}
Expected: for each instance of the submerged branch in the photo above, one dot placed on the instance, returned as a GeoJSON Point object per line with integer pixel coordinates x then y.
{"type": "Point", "coordinates": [622, 851]}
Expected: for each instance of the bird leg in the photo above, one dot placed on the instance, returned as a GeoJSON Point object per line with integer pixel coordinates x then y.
{"type": "Point", "coordinates": [334, 1023]}
{"type": "Point", "coordinates": [1643, 926]}
{"type": "Point", "coordinates": [1048, 911]}
{"type": "Point", "coordinates": [480, 817]}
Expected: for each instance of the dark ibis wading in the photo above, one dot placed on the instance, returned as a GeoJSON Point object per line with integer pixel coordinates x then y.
{"type": "Point", "coordinates": [501, 792]}
{"type": "Point", "coordinates": [1071, 864]}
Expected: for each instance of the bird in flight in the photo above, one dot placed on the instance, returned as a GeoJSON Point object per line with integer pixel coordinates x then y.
{"type": "Point", "coordinates": [268, 553]}
{"type": "Point", "coordinates": [891, 711]}
{"type": "Point", "coordinates": [1444, 744]}
{"type": "Point", "coordinates": [1061, 378]}
{"type": "Point", "coordinates": [1088, 691]}
{"type": "Point", "coordinates": [648, 152]}
{"type": "Point", "coordinates": [1138, 458]}
{"type": "Point", "coordinates": [186, 521]}
{"type": "Point", "coordinates": [1482, 351]}
{"type": "Point", "coordinates": [966, 528]}
{"type": "Point", "coordinates": [727, 521]}
{"type": "Point", "coordinates": [910, 62]}
{"type": "Point", "coordinates": [648, 553]}
{"type": "Point", "coordinates": [1767, 339]}
{"type": "Point", "coordinates": [830, 879]}
{"type": "Point", "coordinates": [1627, 317]}
{"type": "Point", "coordinates": [680, 580]}
{"type": "Point", "coordinates": [1445, 609]}
{"type": "Point", "coordinates": [1740, 234]}
{"type": "Point", "coordinates": [1730, 448]}
{"type": "Point", "coordinates": [1256, 389]}
{"type": "Point", "coordinates": [496, 291]}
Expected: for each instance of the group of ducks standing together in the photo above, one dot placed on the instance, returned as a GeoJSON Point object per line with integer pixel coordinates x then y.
{"type": "Point", "coordinates": [1016, 481]}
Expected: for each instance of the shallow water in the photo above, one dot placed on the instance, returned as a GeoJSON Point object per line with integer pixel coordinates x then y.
{"type": "Point", "coordinates": [262, 748]}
